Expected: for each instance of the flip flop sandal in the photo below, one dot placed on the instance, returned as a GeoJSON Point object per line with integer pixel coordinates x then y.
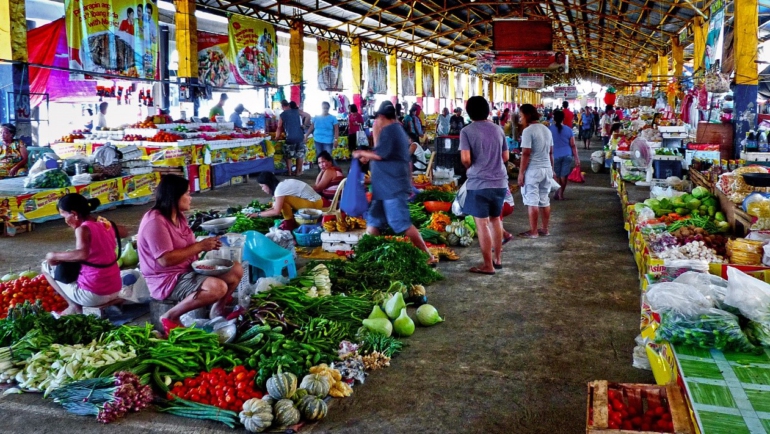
{"type": "Point", "coordinates": [527, 235]}
{"type": "Point", "coordinates": [497, 266]}
{"type": "Point", "coordinates": [507, 239]}
{"type": "Point", "coordinates": [543, 233]}
{"type": "Point", "coordinates": [480, 271]}
{"type": "Point", "coordinates": [169, 325]}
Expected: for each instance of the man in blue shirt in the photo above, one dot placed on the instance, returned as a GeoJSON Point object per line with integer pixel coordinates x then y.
{"type": "Point", "coordinates": [325, 131]}
{"type": "Point", "coordinates": [235, 117]}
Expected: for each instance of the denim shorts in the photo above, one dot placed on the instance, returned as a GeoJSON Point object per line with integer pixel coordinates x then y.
{"type": "Point", "coordinates": [390, 212]}
{"type": "Point", "coordinates": [484, 203]}
{"type": "Point", "coordinates": [320, 147]}
{"type": "Point", "coordinates": [562, 166]}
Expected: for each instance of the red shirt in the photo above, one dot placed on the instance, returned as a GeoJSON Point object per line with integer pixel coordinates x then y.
{"type": "Point", "coordinates": [568, 117]}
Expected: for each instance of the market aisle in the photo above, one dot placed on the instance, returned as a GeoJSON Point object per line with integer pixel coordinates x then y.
{"type": "Point", "coordinates": [517, 349]}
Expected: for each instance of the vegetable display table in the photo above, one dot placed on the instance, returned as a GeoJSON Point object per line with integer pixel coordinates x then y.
{"type": "Point", "coordinates": [222, 173]}
{"type": "Point", "coordinates": [39, 205]}
{"type": "Point", "coordinates": [728, 392]}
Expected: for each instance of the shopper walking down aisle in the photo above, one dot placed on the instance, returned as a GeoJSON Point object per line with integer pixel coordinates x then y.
{"type": "Point", "coordinates": [569, 117]}
{"type": "Point", "coordinates": [391, 179]}
{"type": "Point", "coordinates": [606, 125]}
{"type": "Point", "coordinates": [484, 152]}
{"type": "Point", "coordinates": [355, 124]}
{"type": "Point", "coordinates": [325, 130]}
{"type": "Point", "coordinates": [565, 154]}
{"type": "Point", "coordinates": [290, 122]}
{"type": "Point", "coordinates": [442, 124]}
{"type": "Point", "coordinates": [586, 127]}
{"type": "Point", "coordinates": [536, 170]}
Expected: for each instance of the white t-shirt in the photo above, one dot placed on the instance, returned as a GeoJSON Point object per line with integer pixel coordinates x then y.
{"type": "Point", "coordinates": [538, 138]}
{"type": "Point", "coordinates": [606, 119]}
{"type": "Point", "coordinates": [296, 188]}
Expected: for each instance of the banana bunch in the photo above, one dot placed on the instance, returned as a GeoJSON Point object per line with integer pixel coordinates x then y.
{"type": "Point", "coordinates": [444, 252]}
{"type": "Point", "coordinates": [330, 226]}
{"type": "Point", "coordinates": [342, 226]}
{"type": "Point", "coordinates": [421, 179]}
{"type": "Point", "coordinates": [8, 369]}
{"type": "Point", "coordinates": [355, 223]}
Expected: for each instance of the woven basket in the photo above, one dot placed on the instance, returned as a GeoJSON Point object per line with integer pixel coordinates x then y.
{"type": "Point", "coordinates": [111, 171]}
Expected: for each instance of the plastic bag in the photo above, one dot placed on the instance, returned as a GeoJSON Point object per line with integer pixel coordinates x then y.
{"type": "Point", "coordinates": [749, 295]}
{"type": "Point", "coordinates": [134, 287]}
{"type": "Point", "coordinates": [361, 139]}
{"type": "Point", "coordinates": [353, 201]}
{"type": "Point", "coordinates": [459, 202]}
{"type": "Point", "coordinates": [758, 333]}
{"type": "Point", "coordinates": [576, 175]}
{"type": "Point", "coordinates": [640, 359]}
{"type": "Point", "coordinates": [678, 297]}
{"type": "Point", "coordinates": [645, 214]}
{"type": "Point", "coordinates": [51, 178]}
{"type": "Point", "coordinates": [283, 238]}
{"type": "Point", "coordinates": [713, 287]}
{"type": "Point", "coordinates": [263, 284]}
{"type": "Point", "coordinates": [107, 155]}
{"type": "Point", "coordinates": [554, 185]}
{"type": "Point", "coordinates": [713, 328]}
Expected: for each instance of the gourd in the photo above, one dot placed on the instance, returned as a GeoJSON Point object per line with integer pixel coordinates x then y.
{"type": "Point", "coordinates": [450, 228]}
{"type": "Point", "coordinates": [461, 231]}
{"type": "Point", "coordinates": [257, 415]}
{"type": "Point", "coordinates": [269, 399]}
{"type": "Point", "coordinates": [313, 408]}
{"type": "Point", "coordinates": [452, 239]}
{"type": "Point", "coordinates": [466, 241]}
{"type": "Point", "coordinates": [282, 385]}
{"type": "Point", "coordinates": [315, 384]}
{"type": "Point", "coordinates": [286, 414]}
{"type": "Point", "coordinates": [298, 395]}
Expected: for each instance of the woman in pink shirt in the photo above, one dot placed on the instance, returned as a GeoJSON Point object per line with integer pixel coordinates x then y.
{"type": "Point", "coordinates": [99, 281]}
{"type": "Point", "coordinates": [167, 249]}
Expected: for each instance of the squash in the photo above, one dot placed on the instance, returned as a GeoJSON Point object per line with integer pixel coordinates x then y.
{"type": "Point", "coordinates": [286, 414]}
{"type": "Point", "coordinates": [269, 399]}
{"type": "Point", "coordinates": [466, 241]}
{"type": "Point", "coordinates": [317, 385]}
{"type": "Point", "coordinates": [313, 408]}
{"type": "Point", "coordinates": [282, 385]}
{"type": "Point", "coordinates": [461, 230]}
{"type": "Point", "coordinates": [257, 415]}
{"type": "Point", "coordinates": [452, 239]}
{"type": "Point", "coordinates": [299, 394]}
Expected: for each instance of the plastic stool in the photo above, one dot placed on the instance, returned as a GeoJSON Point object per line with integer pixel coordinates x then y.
{"type": "Point", "coordinates": [266, 258]}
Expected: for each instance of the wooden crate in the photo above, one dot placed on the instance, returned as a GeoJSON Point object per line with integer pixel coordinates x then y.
{"type": "Point", "coordinates": [702, 180]}
{"type": "Point", "coordinates": [597, 400]}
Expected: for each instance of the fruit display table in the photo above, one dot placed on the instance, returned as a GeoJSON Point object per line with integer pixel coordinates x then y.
{"type": "Point", "coordinates": [20, 204]}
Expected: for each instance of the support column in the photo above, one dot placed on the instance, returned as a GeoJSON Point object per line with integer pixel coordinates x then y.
{"type": "Point", "coordinates": [436, 88]}
{"type": "Point", "coordinates": [14, 78]}
{"type": "Point", "coordinates": [452, 90]}
{"type": "Point", "coordinates": [466, 86]}
{"type": "Point", "coordinates": [479, 86]}
{"type": "Point", "coordinates": [677, 54]}
{"type": "Point", "coordinates": [296, 60]}
{"type": "Point", "coordinates": [491, 90]}
{"type": "Point", "coordinates": [187, 47]}
{"type": "Point", "coordinates": [418, 83]}
{"type": "Point", "coordinates": [746, 74]}
{"type": "Point", "coordinates": [393, 77]}
{"type": "Point", "coordinates": [355, 60]}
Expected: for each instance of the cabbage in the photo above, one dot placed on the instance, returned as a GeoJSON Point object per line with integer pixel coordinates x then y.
{"type": "Point", "coordinates": [394, 305]}
{"type": "Point", "coordinates": [381, 326]}
{"type": "Point", "coordinates": [700, 192]}
{"type": "Point", "coordinates": [403, 325]}
{"type": "Point", "coordinates": [652, 203]}
{"type": "Point", "coordinates": [427, 315]}
{"type": "Point", "coordinates": [377, 313]}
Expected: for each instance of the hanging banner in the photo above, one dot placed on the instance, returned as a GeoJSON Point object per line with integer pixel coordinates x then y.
{"type": "Point", "coordinates": [565, 92]}
{"type": "Point", "coordinates": [427, 81]}
{"type": "Point", "coordinates": [459, 92]}
{"type": "Point", "coordinates": [213, 64]}
{"type": "Point", "coordinates": [443, 83]}
{"type": "Point", "coordinates": [329, 66]}
{"type": "Point", "coordinates": [377, 82]}
{"type": "Point", "coordinates": [118, 37]}
{"type": "Point", "coordinates": [547, 95]}
{"type": "Point", "coordinates": [407, 78]}
{"type": "Point", "coordinates": [253, 52]}
{"type": "Point", "coordinates": [531, 81]}
{"type": "Point", "coordinates": [716, 35]}
{"type": "Point", "coordinates": [516, 62]}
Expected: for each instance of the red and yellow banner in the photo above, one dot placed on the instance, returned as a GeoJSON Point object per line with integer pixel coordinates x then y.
{"type": "Point", "coordinates": [118, 37]}
{"type": "Point", "coordinates": [253, 51]}
{"type": "Point", "coordinates": [329, 66]}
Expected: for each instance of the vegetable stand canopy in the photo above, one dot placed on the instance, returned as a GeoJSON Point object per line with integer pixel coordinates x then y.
{"type": "Point", "coordinates": [607, 40]}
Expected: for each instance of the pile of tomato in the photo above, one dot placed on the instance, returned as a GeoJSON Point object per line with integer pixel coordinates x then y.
{"type": "Point", "coordinates": [165, 137]}
{"type": "Point", "coordinates": [657, 418]}
{"type": "Point", "coordinates": [226, 390]}
{"type": "Point", "coordinates": [29, 288]}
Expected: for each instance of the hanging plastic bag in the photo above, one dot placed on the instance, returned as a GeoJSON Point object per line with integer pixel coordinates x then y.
{"type": "Point", "coordinates": [554, 185]}
{"type": "Point", "coordinates": [361, 139]}
{"type": "Point", "coordinates": [749, 295]}
{"type": "Point", "coordinates": [459, 202]}
{"type": "Point", "coordinates": [576, 175]}
{"type": "Point", "coordinates": [353, 201]}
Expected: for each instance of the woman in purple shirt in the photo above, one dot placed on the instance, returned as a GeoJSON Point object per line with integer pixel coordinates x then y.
{"type": "Point", "coordinates": [167, 249]}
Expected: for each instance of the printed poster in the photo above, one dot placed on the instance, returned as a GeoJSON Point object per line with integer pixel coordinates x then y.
{"type": "Point", "coordinates": [427, 81]}
{"type": "Point", "coordinates": [377, 79]}
{"type": "Point", "coordinates": [531, 81]}
{"type": "Point", "coordinates": [716, 35]}
{"type": "Point", "coordinates": [213, 63]}
{"type": "Point", "coordinates": [329, 66]}
{"type": "Point", "coordinates": [118, 37]}
{"type": "Point", "coordinates": [408, 78]}
{"type": "Point", "coordinates": [443, 83]}
{"type": "Point", "coordinates": [253, 51]}
{"type": "Point", "coordinates": [459, 88]}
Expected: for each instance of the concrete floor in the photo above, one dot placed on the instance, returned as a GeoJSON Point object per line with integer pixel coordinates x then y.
{"type": "Point", "coordinates": [513, 356]}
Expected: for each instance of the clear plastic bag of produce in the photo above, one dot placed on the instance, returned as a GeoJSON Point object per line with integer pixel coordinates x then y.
{"type": "Point", "coordinates": [51, 178]}
{"type": "Point", "coordinates": [713, 287]}
{"type": "Point", "coordinates": [749, 295]}
{"type": "Point", "coordinates": [645, 214]}
{"type": "Point", "coordinates": [640, 359]}
{"type": "Point", "coordinates": [678, 297]}
{"type": "Point", "coordinates": [758, 333]}
{"type": "Point", "coordinates": [712, 328]}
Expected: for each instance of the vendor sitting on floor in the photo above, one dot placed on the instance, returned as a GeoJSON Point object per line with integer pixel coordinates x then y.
{"type": "Point", "coordinates": [329, 177]}
{"type": "Point", "coordinates": [167, 249]}
{"type": "Point", "coordinates": [419, 157]}
{"type": "Point", "coordinates": [98, 282]}
{"type": "Point", "coordinates": [289, 196]}
{"type": "Point", "coordinates": [13, 153]}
